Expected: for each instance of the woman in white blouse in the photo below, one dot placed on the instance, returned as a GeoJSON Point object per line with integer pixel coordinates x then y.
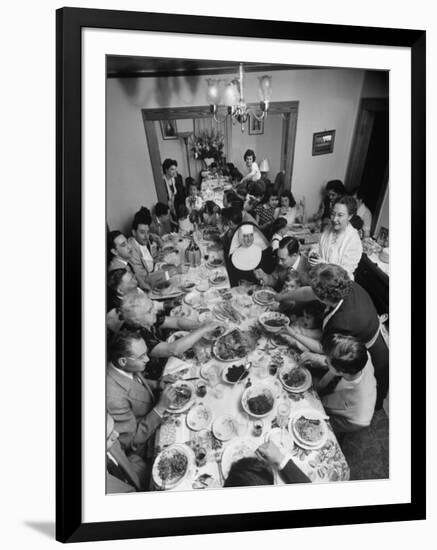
{"type": "Point", "coordinates": [340, 244]}
{"type": "Point", "coordinates": [287, 208]}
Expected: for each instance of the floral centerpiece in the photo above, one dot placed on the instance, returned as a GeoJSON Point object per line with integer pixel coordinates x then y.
{"type": "Point", "coordinates": [208, 145]}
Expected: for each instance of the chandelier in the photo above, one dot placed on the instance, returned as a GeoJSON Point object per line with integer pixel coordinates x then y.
{"type": "Point", "coordinates": [233, 98]}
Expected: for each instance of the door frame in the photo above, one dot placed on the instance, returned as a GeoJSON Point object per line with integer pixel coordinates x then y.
{"type": "Point", "coordinates": [289, 123]}
{"type": "Point", "coordinates": [369, 106]}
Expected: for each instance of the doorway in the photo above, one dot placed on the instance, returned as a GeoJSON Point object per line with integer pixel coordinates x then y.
{"type": "Point", "coordinates": [201, 116]}
{"type": "Point", "coordinates": [368, 164]}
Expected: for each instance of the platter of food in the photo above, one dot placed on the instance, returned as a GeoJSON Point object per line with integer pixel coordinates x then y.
{"type": "Point", "coordinates": [172, 465]}
{"type": "Point", "coordinates": [273, 321]}
{"type": "Point", "coordinates": [235, 373]}
{"type": "Point", "coordinates": [309, 429]}
{"type": "Point", "coordinates": [258, 400]}
{"type": "Point", "coordinates": [224, 427]}
{"type": "Point", "coordinates": [214, 334]}
{"type": "Point", "coordinates": [264, 297]}
{"type": "Point", "coordinates": [185, 396]}
{"type": "Point", "coordinates": [241, 447]}
{"type": "Point", "coordinates": [225, 311]}
{"type": "Point", "coordinates": [199, 417]}
{"type": "Point", "coordinates": [231, 346]}
{"type": "Point", "coordinates": [295, 379]}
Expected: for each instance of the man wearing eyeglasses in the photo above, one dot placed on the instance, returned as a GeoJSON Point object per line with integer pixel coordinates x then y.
{"type": "Point", "coordinates": [136, 403]}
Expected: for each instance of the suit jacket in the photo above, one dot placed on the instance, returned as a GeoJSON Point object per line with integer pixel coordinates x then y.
{"type": "Point", "coordinates": [131, 474]}
{"type": "Point", "coordinates": [118, 263]}
{"type": "Point", "coordinates": [139, 265]}
{"type": "Point", "coordinates": [303, 268]}
{"type": "Point", "coordinates": [291, 473]}
{"type": "Point", "coordinates": [131, 404]}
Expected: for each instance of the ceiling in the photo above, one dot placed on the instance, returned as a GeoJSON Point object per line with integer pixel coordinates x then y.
{"type": "Point", "coordinates": [135, 66]}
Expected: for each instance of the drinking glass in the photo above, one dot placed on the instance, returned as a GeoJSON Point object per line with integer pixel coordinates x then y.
{"type": "Point", "coordinates": [283, 412]}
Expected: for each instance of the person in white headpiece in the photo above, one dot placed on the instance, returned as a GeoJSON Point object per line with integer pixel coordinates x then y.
{"type": "Point", "coordinates": [247, 252]}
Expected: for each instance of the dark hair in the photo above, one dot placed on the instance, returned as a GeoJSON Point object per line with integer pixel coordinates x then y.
{"type": "Point", "coordinates": [359, 193]}
{"type": "Point", "coordinates": [314, 308]}
{"type": "Point", "coordinates": [291, 244]}
{"type": "Point", "coordinates": [143, 216]}
{"type": "Point", "coordinates": [357, 222]}
{"type": "Point", "coordinates": [329, 282]}
{"type": "Point", "coordinates": [290, 197]}
{"type": "Point", "coordinates": [249, 153]}
{"type": "Point", "coordinates": [241, 190]}
{"type": "Point", "coordinates": [119, 345]}
{"type": "Point", "coordinates": [182, 211]}
{"type": "Point", "coordinates": [211, 207]}
{"type": "Point", "coordinates": [346, 353]}
{"type": "Point", "coordinates": [113, 282]}
{"type": "Point", "coordinates": [256, 190]}
{"type": "Point", "coordinates": [161, 209]}
{"type": "Point", "coordinates": [190, 181]}
{"type": "Point", "coordinates": [349, 202]}
{"type": "Point", "coordinates": [249, 471]}
{"type": "Point", "coordinates": [269, 194]}
{"type": "Point", "coordinates": [213, 165]}
{"type": "Point", "coordinates": [167, 163]}
{"type": "Point", "coordinates": [110, 242]}
{"type": "Point", "coordinates": [234, 200]}
{"type": "Point", "coordinates": [276, 226]}
{"type": "Point", "coordinates": [233, 215]}
{"type": "Point", "coordinates": [336, 186]}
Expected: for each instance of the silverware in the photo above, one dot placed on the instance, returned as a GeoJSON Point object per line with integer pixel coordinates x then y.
{"type": "Point", "coordinates": [246, 368]}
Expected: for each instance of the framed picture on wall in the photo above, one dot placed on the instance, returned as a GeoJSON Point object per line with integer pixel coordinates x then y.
{"type": "Point", "coordinates": [169, 129]}
{"type": "Point", "coordinates": [256, 126]}
{"type": "Point", "coordinates": [323, 142]}
{"type": "Point", "coordinates": [177, 435]}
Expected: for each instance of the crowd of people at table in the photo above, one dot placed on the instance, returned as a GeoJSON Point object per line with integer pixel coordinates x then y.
{"type": "Point", "coordinates": [334, 323]}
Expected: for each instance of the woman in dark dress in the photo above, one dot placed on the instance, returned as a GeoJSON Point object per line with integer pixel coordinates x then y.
{"type": "Point", "coordinates": [349, 310]}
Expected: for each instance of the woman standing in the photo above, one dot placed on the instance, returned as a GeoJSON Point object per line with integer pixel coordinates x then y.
{"type": "Point", "coordinates": [349, 310]}
{"type": "Point", "coordinates": [253, 171]}
{"type": "Point", "coordinates": [340, 243]}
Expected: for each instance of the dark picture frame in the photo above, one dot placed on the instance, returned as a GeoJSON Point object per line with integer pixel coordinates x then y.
{"type": "Point", "coordinates": [323, 142]}
{"type": "Point", "coordinates": [70, 526]}
{"type": "Point", "coordinates": [256, 126]}
{"type": "Point", "coordinates": [169, 129]}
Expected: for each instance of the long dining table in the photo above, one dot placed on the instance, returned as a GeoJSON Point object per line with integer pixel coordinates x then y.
{"type": "Point", "coordinates": [212, 451]}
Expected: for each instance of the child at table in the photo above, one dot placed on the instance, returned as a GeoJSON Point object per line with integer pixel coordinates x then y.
{"type": "Point", "coordinates": [308, 325]}
{"type": "Point", "coordinates": [194, 200]}
{"type": "Point", "coordinates": [348, 389]}
{"type": "Point", "coordinates": [184, 220]}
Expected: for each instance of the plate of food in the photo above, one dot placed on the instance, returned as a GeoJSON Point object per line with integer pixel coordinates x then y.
{"type": "Point", "coordinates": [241, 447]}
{"type": "Point", "coordinates": [172, 465]}
{"type": "Point", "coordinates": [224, 427]}
{"type": "Point", "coordinates": [225, 311]}
{"type": "Point", "coordinates": [214, 263]}
{"type": "Point", "coordinates": [194, 299]}
{"type": "Point", "coordinates": [169, 248]}
{"type": "Point", "coordinates": [169, 237]}
{"type": "Point", "coordinates": [187, 285]}
{"type": "Point", "coordinates": [309, 429]}
{"type": "Point", "coordinates": [258, 400]}
{"type": "Point", "coordinates": [214, 334]}
{"type": "Point", "coordinates": [273, 321]}
{"type": "Point", "coordinates": [181, 311]}
{"type": "Point", "coordinates": [231, 346]}
{"type": "Point", "coordinates": [217, 278]}
{"type": "Point", "coordinates": [294, 378]}
{"type": "Point", "coordinates": [199, 417]}
{"type": "Point", "coordinates": [264, 297]}
{"type": "Point", "coordinates": [164, 291]}
{"type": "Point", "coordinates": [235, 373]}
{"type": "Point", "coordinates": [185, 396]}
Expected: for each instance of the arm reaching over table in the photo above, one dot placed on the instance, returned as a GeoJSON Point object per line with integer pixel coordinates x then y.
{"type": "Point", "coordinates": [290, 473]}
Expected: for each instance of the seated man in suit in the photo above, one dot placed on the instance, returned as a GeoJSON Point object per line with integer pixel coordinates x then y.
{"type": "Point", "coordinates": [136, 403]}
{"type": "Point", "coordinates": [123, 474]}
{"type": "Point", "coordinates": [289, 259]}
{"type": "Point", "coordinates": [119, 251]}
{"type": "Point", "coordinates": [259, 471]}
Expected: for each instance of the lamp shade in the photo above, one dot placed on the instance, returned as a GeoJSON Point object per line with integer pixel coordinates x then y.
{"type": "Point", "coordinates": [265, 88]}
{"type": "Point", "coordinates": [213, 92]}
{"type": "Point", "coordinates": [264, 166]}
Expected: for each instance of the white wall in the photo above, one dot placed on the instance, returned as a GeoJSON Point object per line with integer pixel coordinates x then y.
{"type": "Point", "coordinates": [328, 99]}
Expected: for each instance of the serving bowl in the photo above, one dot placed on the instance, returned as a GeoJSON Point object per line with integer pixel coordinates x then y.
{"type": "Point", "coordinates": [258, 400]}
{"type": "Point", "coordinates": [273, 321]}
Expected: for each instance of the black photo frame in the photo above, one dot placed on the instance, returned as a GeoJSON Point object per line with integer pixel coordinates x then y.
{"type": "Point", "coordinates": [70, 526]}
{"type": "Point", "coordinates": [323, 142]}
{"type": "Point", "coordinates": [169, 129]}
